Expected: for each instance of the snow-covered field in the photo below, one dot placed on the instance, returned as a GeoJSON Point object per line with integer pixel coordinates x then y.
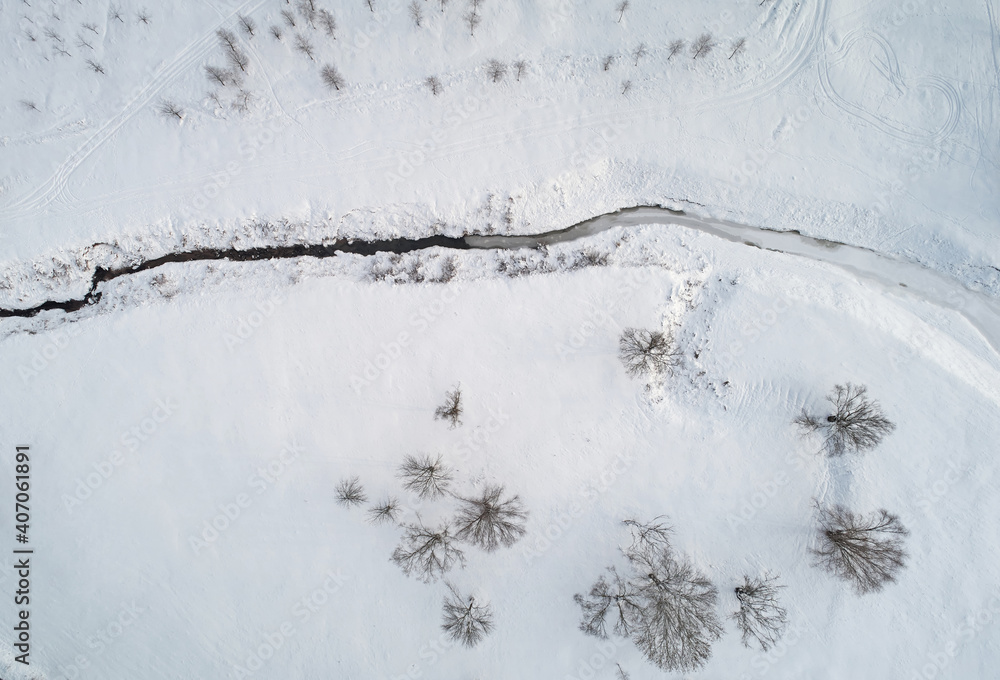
{"type": "Point", "coordinates": [188, 431]}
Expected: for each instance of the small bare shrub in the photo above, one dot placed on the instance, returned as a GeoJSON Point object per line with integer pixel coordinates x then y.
{"type": "Point", "coordinates": [350, 492]}
{"type": "Point", "coordinates": [427, 554]}
{"type": "Point", "coordinates": [465, 620]}
{"type": "Point", "coordinates": [647, 352]}
{"type": "Point", "coordinates": [384, 512]}
{"type": "Point", "coordinates": [452, 408]}
{"type": "Point", "coordinates": [427, 477]}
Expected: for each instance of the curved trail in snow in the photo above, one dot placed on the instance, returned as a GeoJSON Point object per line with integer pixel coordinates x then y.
{"type": "Point", "coordinates": [895, 276]}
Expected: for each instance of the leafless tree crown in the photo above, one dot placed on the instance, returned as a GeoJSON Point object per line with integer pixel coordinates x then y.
{"type": "Point", "coordinates": [489, 520]}
{"type": "Point", "coordinates": [520, 68]}
{"type": "Point", "coordinates": [328, 22]}
{"type": "Point", "coordinates": [95, 67]}
{"type": "Point", "coordinates": [351, 492]}
{"type": "Point", "coordinates": [738, 45]}
{"type": "Point", "coordinates": [434, 83]}
{"type": "Point", "coordinates": [427, 553]}
{"type": "Point", "coordinates": [385, 512]}
{"type": "Point", "coordinates": [451, 410]}
{"type": "Point", "coordinates": [303, 45]}
{"type": "Point", "coordinates": [856, 424]}
{"type": "Point", "coordinates": [169, 109]}
{"type": "Point", "coordinates": [496, 70]}
{"type": "Point", "coordinates": [607, 62]}
{"type": "Point", "coordinates": [674, 47]}
{"type": "Point", "coordinates": [426, 476]}
{"type": "Point", "coordinates": [416, 13]}
{"type": "Point", "coordinates": [647, 352]}
{"type": "Point", "coordinates": [248, 25]}
{"type": "Point", "coordinates": [866, 551]}
{"type": "Point", "coordinates": [621, 7]}
{"type": "Point", "coordinates": [639, 52]}
{"type": "Point", "coordinates": [331, 77]}
{"type": "Point", "coordinates": [465, 620]}
{"type": "Point", "coordinates": [760, 619]}
{"type": "Point", "coordinates": [276, 32]}
{"type": "Point", "coordinates": [664, 605]}
{"type": "Point", "coordinates": [702, 46]}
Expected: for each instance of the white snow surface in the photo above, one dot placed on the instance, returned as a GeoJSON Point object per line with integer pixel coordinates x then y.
{"type": "Point", "coordinates": [203, 389]}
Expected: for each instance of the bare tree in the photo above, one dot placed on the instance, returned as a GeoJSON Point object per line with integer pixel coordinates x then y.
{"type": "Point", "coordinates": [465, 620]}
{"type": "Point", "coordinates": [702, 46]}
{"type": "Point", "coordinates": [217, 75]}
{"type": "Point", "coordinates": [82, 42]}
{"type": "Point", "coordinates": [472, 20]}
{"type": "Point", "coordinates": [664, 605]}
{"type": "Point", "coordinates": [371, 5]}
{"type": "Point", "coordinates": [94, 66]}
{"type": "Point", "coordinates": [427, 554]}
{"type": "Point", "coordinates": [30, 36]}
{"type": "Point", "coordinates": [331, 77]}
{"type": "Point", "coordinates": [385, 512]}
{"type": "Point", "coordinates": [674, 47]}
{"type": "Point", "coordinates": [28, 105]}
{"type": "Point", "coordinates": [520, 68]}
{"type": "Point", "coordinates": [490, 521]}
{"type": "Point", "coordinates": [52, 35]}
{"type": "Point", "coordinates": [856, 424]}
{"type": "Point", "coordinates": [621, 7]}
{"type": "Point", "coordinates": [143, 17]}
{"type": "Point", "coordinates": [308, 11]}
{"type": "Point", "coordinates": [227, 39]}
{"type": "Point", "coordinates": [867, 551]}
{"type": "Point", "coordinates": [607, 62]}
{"type": "Point", "coordinates": [621, 673]}
{"type": "Point", "coordinates": [626, 87]}
{"type": "Point", "coordinates": [239, 60]}
{"type": "Point", "coordinates": [62, 51]}
{"type": "Point", "coordinates": [303, 45]}
{"type": "Point", "coordinates": [248, 25]}
{"type": "Point", "coordinates": [761, 619]}
{"type": "Point", "coordinates": [496, 70]}
{"type": "Point", "coordinates": [435, 85]}
{"type": "Point", "coordinates": [289, 17]}
{"type": "Point", "coordinates": [169, 109]}
{"type": "Point", "coordinates": [639, 52]}
{"type": "Point", "coordinates": [91, 27]}
{"type": "Point", "coordinates": [427, 477]}
{"type": "Point", "coordinates": [243, 100]}
{"type": "Point", "coordinates": [647, 352]}
{"type": "Point", "coordinates": [416, 13]}
{"type": "Point", "coordinates": [276, 32]}
{"type": "Point", "coordinates": [452, 408]}
{"type": "Point", "coordinates": [328, 22]}
{"type": "Point", "coordinates": [738, 46]}
{"type": "Point", "coordinates": [350, 492]}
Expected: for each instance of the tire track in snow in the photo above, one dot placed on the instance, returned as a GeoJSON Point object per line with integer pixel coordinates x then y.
{"type": "Point", "coordinates": [51, 189]}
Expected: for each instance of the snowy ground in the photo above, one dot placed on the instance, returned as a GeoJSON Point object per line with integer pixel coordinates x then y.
{"type": "Point", "coordinates": [202, 389]}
